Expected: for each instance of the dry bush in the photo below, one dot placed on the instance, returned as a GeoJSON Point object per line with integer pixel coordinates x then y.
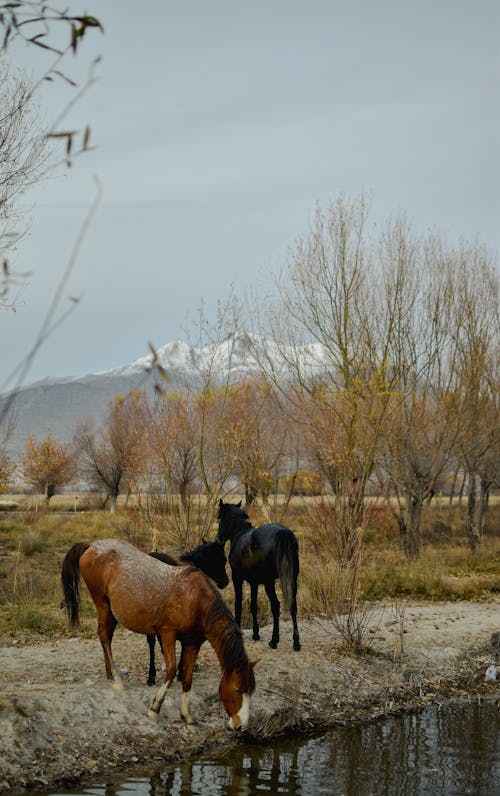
{"type": "Point", "coordinates": [328, 534]}
{"type": "Point", "coordinates": [333, 565]}
{"type": "Point", "coordinates": [147, 525]}
{"type": "Point", "coordinates": [32, 516]}
{"type": "Point", "coordinates": [32, 542]}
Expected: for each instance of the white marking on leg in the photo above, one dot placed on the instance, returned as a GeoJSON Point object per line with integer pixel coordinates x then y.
{"type": "Point", "coordinates": [185, 702]}
{"type": "Point", "coordinates": [117, 684]}
{"type": "Point", "coordinates": [158, 700]}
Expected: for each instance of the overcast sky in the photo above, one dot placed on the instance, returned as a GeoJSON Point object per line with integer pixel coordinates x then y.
{"type": "Point", "coordinates": [218, 124]}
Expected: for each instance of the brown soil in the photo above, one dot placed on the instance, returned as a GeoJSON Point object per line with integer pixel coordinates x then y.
{"type": "Point", "coordinates": [60, 721]}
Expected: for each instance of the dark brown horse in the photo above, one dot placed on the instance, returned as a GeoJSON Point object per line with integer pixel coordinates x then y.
{"type": "Point", "coordinates": [261, 555]}
{"type": "Point", "coordinates": [150, 597]}
{"type": "Point", "coordinates": [211, 559]}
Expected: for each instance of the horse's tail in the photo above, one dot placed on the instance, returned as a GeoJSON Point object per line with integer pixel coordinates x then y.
{"type": "Point", "coordinates": [287, 565]}
{"type": "Point", "coordinates": [70, 579]}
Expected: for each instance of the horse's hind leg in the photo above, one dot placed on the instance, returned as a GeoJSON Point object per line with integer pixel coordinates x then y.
{"type": "Point", "coordinates": [152, 668]}
{"type": "Point", "coordinates": [254, 588]}
{"type": "Point", "coordinates": [106, 623]}
{"type": "Point", "coordinates": [293, 612]}
{"type": "Point", "coordinates": [275, 608]}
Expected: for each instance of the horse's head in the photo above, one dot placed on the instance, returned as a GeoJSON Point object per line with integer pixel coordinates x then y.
{"type": "Point", "coordinates": [231, 519]}
{"type": "Point", "coordinates": [211, 559]}
{"type": "Point", "coordinates": [234, 691]}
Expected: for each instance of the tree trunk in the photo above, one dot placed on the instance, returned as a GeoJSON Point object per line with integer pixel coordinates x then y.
{"type": "Point", "coordinates": [50, 491]}
{"type": "Point", "coordinates": [183, 494]}
{"type": "Point", "coordinates": [462, 488]}
{"type": "Point", "coordinates": [356, 500]}
{"type": "Point", "coordinates": [453, 487]}
{"type": "Point", "coordinates": [250, 494]}
{"type": "Point", "coordinates": [470, 522]}
{"type": "Point", "coordinates": [410, 539]}
{"type": "Point", "coordinates": [484, 489]}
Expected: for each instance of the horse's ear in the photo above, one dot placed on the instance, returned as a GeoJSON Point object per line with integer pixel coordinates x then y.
{"type": "Point", "coordinates": [220, 503]}
{"type": "Point", "coordinates": [255, 662]}
{"type": "Point", "coordinates": [203, 540]}
{"type": "Point", "coordinates": [239, 504]}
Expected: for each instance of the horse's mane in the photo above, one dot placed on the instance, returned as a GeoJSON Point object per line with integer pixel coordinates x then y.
{"type": "Point", "coordinates": [238, 515]}
{"type": "Point", "coordinates": [232, 648]}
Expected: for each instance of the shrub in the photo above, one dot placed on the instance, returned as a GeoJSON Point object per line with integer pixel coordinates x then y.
{"type": "Point", "coordinates": [32, 542]}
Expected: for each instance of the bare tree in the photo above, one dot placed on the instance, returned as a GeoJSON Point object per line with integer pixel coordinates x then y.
{"type": "Point", "coordinates": [173, 445]}
{"type": "Point", "coordinates": [113, 457]}
{"type": "Point", "coordinates": [325, 360]}
{"type": "Point", "coordinates": [24, 151]}
{"type": "Point", "coordinates": [23, 155]}
{"type": "Point", "coordinates": [477, 329]}
{"type": "Point", "coordinates": [421, 424]}
{"type": "Point", "coordinates": [255, 437]}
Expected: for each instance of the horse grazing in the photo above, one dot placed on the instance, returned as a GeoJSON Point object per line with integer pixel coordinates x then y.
{"type": "Point", "coordinates": [150, 597]}
{"type": "Point", "coordinates": [211, 559]}
{"type": "Point", "coordinates": [261, 555]}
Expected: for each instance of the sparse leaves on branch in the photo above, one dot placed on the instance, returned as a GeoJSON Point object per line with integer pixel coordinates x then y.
{"type": "Point", "coordinates": [39, 24]}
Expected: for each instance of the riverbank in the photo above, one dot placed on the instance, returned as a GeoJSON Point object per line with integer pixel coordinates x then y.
{"type": "Point", "coordinates": [60, 722]}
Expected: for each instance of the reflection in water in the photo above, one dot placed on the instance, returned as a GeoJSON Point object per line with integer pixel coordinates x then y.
{"type": "Point", "coordinates": [440, 752]}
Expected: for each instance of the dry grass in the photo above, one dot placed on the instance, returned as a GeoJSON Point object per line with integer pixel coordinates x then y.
{"type": "Point", "coordinates": [33, 544]}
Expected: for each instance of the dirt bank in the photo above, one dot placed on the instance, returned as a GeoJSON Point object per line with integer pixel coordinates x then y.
{"type": "Point", "coordinates": [60, 721]}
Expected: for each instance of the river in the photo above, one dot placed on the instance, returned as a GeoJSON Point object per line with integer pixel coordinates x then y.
{"type": "Point", "coordinates": [440, 751]}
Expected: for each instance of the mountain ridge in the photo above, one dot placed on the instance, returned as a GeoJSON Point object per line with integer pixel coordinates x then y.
{"type": "Point", "coordinates": [58, 403]}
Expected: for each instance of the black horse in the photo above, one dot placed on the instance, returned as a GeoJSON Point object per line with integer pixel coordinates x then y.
{"type": "Point", "coordinates": [261, 555]}
{"type": "Point", "coordinates": [211, 559]}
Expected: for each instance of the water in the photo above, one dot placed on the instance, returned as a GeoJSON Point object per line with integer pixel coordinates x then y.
{"type": "Point", "coordinates": [447, 751]}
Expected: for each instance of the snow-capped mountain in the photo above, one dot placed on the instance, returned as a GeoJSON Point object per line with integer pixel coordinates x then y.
{"type": "Point", "coordinates": [58, 404]}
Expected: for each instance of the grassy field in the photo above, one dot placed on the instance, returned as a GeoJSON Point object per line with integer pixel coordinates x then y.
{"type": "Point", "coordinates": [33, 544]}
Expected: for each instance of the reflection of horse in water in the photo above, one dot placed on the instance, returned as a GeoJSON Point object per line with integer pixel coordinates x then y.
{"type": "Point", "coordinates": [150, 597]}
{"type": "Point", "coordinates": [241, 770]}
{"type": "Point", "coordinates": [261, 555]}
{"type": "Point", "coordinates": [211, 559]}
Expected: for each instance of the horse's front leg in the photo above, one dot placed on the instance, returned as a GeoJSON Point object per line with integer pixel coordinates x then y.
{"type": "Point", "coordinates": [168, 648]}
{"type": "Point", "coordinates": [189, 654]}
{"type": "Point", "coordinates": [238, 599]}
{"type": "Point", "coordinates": [254, 588]}
{"type": "Point", "coordinates": [275, 608]}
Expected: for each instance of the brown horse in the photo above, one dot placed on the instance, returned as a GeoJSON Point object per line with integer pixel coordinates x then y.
{"type": "Point", "coordinates": [211, 559]}
{"type": "Point", "coordinates": [147, 596]}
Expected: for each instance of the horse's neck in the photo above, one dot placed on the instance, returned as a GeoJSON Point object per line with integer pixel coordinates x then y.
{"type": "Point", "coordinates": [217, 634]}
{"type": "Point", "coordinates": [241, 530]}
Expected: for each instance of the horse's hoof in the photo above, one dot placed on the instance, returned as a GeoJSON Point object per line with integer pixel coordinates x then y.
{"type": "Point", "coordinates": [153, 714]}
{"type": "Point", "coordinates": [256, 637]}
{"type": "Point", "coordinates": [191, 728]}
{"type": "Point", "coordinates": [151, 682]}
{"type": "Point", "coordinates": [296, 646]}
{"type": "Point", "coordinates": [273, 644]}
